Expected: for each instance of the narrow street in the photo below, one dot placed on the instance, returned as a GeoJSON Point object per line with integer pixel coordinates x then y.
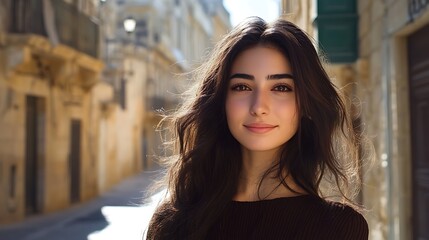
{"type": "Point", "coordinates": [121, 213]}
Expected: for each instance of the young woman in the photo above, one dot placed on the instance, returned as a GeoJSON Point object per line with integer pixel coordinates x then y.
{"type": "Point", "coordinates": [264, 130]}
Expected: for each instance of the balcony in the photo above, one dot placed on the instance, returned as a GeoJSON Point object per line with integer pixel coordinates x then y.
{"type": "Point", "coordinates": [73, 28]}
{"type": "Point", "coordinates": [156, 104]}
{"type": "Point", "coordinates": [416, 7]}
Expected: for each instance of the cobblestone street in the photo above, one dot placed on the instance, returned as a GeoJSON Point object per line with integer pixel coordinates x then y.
{"type": "Point", "coordinates": [117, 214]}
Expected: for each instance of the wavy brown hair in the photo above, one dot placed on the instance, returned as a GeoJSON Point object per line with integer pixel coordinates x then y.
{"type": "Point", "coordinates": [203, 178]}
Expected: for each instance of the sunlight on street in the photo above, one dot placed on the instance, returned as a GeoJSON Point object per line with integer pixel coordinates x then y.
{"type": "Point", "coordinates": [126, 222]}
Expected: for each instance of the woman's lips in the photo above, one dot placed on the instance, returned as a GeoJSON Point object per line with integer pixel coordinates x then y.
{"type": "Point", "coordinates": [259, 127]}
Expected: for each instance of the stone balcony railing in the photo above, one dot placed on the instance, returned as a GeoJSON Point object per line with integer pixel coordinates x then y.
{"type": "Point", "coordinates": [159, 104]}
{"type": "Point", "coordinates": [415, 7]}
{"type": "Point", "coordinates": [63, 22]}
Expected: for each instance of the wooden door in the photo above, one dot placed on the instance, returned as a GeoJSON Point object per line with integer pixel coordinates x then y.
{"type": "Point", "coordinates": [34, 154]}
{"type": "Point", "coordinates": [74, 160]}
{"type": "Point", "coordinates": [418, 57]}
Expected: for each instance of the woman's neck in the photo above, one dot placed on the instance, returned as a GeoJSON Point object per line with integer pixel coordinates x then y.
{"type": "Point", "coordinates": [254, 166]}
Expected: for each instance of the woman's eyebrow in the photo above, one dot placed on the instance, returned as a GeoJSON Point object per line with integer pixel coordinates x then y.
{"type": "Point", "coordinates": [269, 77]}
{"type": "Point", "coordinates": [243, 76]}
{"type": "Point", "coordinates": [279, 76]}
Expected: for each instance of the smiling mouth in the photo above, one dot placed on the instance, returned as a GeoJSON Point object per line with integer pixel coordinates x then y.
{"type": "Point", "coordinates": [259, 128]}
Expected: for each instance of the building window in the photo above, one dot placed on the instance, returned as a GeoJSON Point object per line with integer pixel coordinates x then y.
{"type": "Point", "coordinates": [156, 38]}
{"type": "Point", "coordinates": [142, 31]}
{"type": "Point", "coordinates": [123, 94]}
{"type": "Point", "coordinates": [12, 181]}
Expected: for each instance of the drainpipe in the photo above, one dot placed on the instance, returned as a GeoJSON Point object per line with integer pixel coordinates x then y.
{"type": "Point", "coordinates": [387, 155]}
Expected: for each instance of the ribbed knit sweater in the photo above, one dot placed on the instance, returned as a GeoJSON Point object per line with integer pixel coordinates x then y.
{"type": "Point", "coordinates": [301, 217]}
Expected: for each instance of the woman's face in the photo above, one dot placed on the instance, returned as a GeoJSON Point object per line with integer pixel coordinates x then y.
{"type": "Point", "coordinates": [260, 106]}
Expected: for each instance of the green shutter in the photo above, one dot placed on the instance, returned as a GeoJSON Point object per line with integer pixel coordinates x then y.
{"type": "Point", "coordinates": [337, 24]}
{"type": "Point", "coordinates": [326, 7]}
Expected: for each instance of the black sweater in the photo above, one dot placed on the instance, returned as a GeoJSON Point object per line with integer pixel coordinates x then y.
{"type": "Point", "coordinates": [297, 218]}
{"type": "Point", "coordinates": [301, 217]}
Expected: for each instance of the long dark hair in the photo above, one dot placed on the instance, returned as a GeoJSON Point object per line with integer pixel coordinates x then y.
{"type": "Point", "coordinates": [203, 178]}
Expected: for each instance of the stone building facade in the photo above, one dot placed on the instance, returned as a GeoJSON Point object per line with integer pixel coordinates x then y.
{"type": "Point", "coordinates": [390, 77]}
{"type": "Point", "coordinates": [80, 97]}
{"type": "Point", "coordinates": [175, 36]}
{"type": "Point", "coordinates": [48, 107]}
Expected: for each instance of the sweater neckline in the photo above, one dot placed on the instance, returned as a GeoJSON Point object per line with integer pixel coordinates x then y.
{"type": "Point", "coordinates": [290, 198]}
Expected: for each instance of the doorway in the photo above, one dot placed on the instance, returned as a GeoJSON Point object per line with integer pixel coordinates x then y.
{"type": "Point", "coordinates": [34, 154]}
{"type": "Point", "coordinates": [74, 160]}
{"type": "Point", "coordinates": [418, 60]}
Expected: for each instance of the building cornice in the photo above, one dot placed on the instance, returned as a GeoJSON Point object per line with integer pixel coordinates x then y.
{"type": "Point", "coordinates": [34, 54]}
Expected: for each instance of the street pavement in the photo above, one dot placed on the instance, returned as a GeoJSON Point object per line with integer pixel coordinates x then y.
{"type": "Point", "coordinates": [121, 213]}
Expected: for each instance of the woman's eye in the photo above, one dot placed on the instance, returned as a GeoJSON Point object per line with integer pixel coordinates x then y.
{"type": "Point", "coordinates": [282, 88]}
{"type": "Point", "coordinates": [240, 88]}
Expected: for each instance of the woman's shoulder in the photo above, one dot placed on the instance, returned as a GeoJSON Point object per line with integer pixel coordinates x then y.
{"type": "Point", "coordinates": [161, 217]}
{"type": "Point", "coordinates": [342, 210]}
{"type": "Point", "coordinates": [163, 212]}
{"type": "Point", "coordinates": [346, 222]}
{"type": "Point", "coordinates": [330, 210]}
{"type": "Point", "coordinates": [331, 219]}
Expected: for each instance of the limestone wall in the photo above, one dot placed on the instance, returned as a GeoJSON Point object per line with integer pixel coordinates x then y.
{"type": "Point", "coordinates": [380, 82]}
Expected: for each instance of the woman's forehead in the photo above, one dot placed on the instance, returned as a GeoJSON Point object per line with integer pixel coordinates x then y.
{"type": "Point", "coordinates": [261, 58]}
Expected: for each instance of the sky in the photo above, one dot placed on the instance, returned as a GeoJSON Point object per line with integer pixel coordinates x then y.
{"type": "Point", "coordinates": [240, 9]}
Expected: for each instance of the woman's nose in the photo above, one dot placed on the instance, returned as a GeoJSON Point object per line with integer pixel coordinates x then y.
{"type": "Point", "coordinates": [260, 104]}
